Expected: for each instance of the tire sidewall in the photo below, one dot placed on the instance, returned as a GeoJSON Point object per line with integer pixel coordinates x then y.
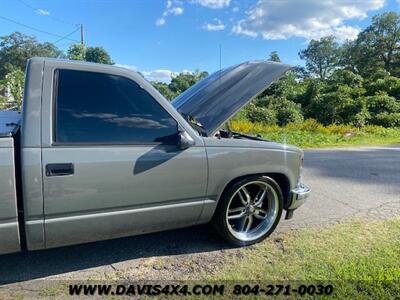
{"type": "Point", "coordinates": [220, 222]}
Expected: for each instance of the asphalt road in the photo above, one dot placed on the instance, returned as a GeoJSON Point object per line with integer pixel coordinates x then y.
{"type": "Point", "coordinates": [346, 183]}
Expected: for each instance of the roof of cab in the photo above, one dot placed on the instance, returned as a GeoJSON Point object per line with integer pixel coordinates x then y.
{"type": "Point", "coordinates": [77, 62]}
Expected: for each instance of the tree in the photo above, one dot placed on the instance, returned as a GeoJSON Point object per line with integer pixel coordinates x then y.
{"type": "Point", "coordinates": [260, 114]}
{"type": "Point", "coordinates": [91, 54]}
{"type": "Point", "coordinates": [349, 54]}
{"type": "Point", "coordinates": [387, 84]}
{"type": "Point", "coordinates": [273, 56]}
{"type": "Point", "coordinates": [383, 103]}
{"type": "Point", "coordinates": [76, 52]}
{"type": "Point", "coordinates": [381, 41]}
{"type": "Point", "coordinates": [164, 89]}
{"type": "Point", "coordinates": [321, 56]}
{"type": "Point", "coordinates": [15, 82]}
{"type": "Point", "coordinates": [17, 48]}
{"type": "Point", "coordinates": [98, 55]}
{"type": "Point", "coordinates": [185, 80]}
{"type": "Point", "coordinates": [179, 83]}
{"type": "Point", "coordinates": [286, 111]}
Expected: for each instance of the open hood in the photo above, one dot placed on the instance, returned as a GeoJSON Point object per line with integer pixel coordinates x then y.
{"type": "Point", "coordinates": [215, 99]}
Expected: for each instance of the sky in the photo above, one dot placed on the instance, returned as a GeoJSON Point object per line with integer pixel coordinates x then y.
{"type": "Point", "coordinates": [162, 37]}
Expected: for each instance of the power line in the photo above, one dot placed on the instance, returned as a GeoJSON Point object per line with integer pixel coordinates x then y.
{"type": "Point", "coordinates": [38, 30]}
{"type": "Point", "coordinates": [37, 11]}
{"type": "Point", "coordinates": [65, 37]}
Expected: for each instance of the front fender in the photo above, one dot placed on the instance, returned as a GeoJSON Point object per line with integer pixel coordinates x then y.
{"type": "Point", "coordinates": [227, 161]}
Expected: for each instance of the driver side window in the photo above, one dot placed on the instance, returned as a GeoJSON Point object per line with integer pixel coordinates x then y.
{"type": "Point", "coordinates": [99, 108]}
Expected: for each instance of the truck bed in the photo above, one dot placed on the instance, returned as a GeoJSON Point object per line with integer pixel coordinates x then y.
{"type": "Point", "coordinates": [9, 228]}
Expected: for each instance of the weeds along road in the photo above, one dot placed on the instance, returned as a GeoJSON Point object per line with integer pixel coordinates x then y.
{"type": "Point", "coordinates": [346, 183]}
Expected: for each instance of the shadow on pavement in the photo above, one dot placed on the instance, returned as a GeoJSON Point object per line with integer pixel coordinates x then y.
{"type": "Point", "coordinates": [38, 264]}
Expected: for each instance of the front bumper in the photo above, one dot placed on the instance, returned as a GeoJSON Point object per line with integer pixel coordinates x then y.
{"type": "Point", "coordinates": [297, 198]}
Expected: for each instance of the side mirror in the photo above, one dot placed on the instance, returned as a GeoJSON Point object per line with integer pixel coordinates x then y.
{"type": "Point", "coordinates": [184, 140]}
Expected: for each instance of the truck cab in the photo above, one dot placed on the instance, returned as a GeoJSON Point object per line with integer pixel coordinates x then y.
{"type": "Point", "coordinates": [77, 162]}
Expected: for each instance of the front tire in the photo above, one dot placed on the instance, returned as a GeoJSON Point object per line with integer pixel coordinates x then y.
{"type": "Point", "coordinates": [249, 210]}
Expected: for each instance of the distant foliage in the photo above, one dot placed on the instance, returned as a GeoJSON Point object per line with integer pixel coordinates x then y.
{"type": "Point", "coordinates": [98, 55]}
{"type": "Point", "coordinates": [273, 56]}
{"type": "Point", "coordinates": [321, 56]}
{"type": "Point", "coordinates": [260, 114]}
{"type": "Point", "coordinates": [76, 52]}
{"type": "Point", "coordinates": [179, 83]}
{"type": "Point", "coordinates": [15, 83]}
{"type": "Point", "coordinates": [90, 54]}
{"type": "Point", "coordinates": [17, 48]}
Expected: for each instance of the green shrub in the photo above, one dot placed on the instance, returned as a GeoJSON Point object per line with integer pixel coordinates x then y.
{"type": "Point", "coordinates": [260, 114]}
{"type": "Point", "coordinates": [286, 111]}
{"type": "Point", "coordinates": [387, 120]}
{"type": "Point", "coordinates": [387, 84]}
{"type": "Point", "coordinates": [382, 103]}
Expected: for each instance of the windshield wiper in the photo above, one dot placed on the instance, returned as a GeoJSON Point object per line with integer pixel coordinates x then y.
{"type": "Point", "coordinates": [246, 136]}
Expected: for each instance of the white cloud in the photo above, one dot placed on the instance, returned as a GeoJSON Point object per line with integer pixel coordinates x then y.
{"type": "Point", "coordinates": [214, 4]}
{"type": "Point", "coordinates": [309, 19]}
{"type": "Point", "coordinates": [42, 12]}
{"type": "Point", "coordinates": [155, 75]}
{"type": "Point", "coordinates": [158, 75]}
{"type": "Point", "coordinates": [160, 21]}
{"type": "Point", "coordinates": [173, 8]}
{"type": "Point", "coordinates": [216, 26]}
{"type": "Point", "coordinates": [346, 32]}
{"type": "Point", "coordinates": [162, 75]}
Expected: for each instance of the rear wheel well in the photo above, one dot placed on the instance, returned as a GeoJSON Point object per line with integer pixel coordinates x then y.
{"type": "Point", "coordinates": [280, 179]}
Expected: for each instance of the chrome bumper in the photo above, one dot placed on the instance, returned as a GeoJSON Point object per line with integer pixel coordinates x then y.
{"type": "Point", "coordinates": [298, 196]}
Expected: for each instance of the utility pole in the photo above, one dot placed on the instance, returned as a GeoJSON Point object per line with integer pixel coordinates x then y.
{"type": "Point", "coordinates": [82, 35]}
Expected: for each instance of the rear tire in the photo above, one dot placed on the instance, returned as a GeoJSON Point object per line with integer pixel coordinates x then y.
{"type": "Point", "coordinates": [249, 210]}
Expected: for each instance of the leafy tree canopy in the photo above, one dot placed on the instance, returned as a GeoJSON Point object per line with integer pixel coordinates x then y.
{"type": "Point", "coordinates": [321, 56]}
{"type": "Point", "coordinates": [17, 48]}
{"type": "Point", "coordinates": [273, 56]}
{"type": "Point", "coordinates": [98, 55]}
{"type": "Point", "coordinates": [91, 54]}
{"type": "Point", "coordinates": [184, 80]}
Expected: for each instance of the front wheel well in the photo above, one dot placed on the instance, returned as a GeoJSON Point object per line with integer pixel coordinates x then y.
{"type": "Point", "coordinates": [280, 179]}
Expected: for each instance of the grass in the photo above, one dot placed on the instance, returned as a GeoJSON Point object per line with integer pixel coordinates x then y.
{"type": "Point", "coordinates": [311, 134]}
{"type": "Point", "coordinates": [360, 258]}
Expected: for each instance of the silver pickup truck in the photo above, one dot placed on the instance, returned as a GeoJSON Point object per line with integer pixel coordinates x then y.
{"type": "Point", "coordinates": [98, 153]}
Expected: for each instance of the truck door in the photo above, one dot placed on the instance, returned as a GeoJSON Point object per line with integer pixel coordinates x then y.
{"type": "Point", "coordinates": [111, 163]}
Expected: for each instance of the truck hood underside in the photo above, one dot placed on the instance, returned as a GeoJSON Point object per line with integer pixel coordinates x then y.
{"type": "Point", "coordinates": [215, 99]}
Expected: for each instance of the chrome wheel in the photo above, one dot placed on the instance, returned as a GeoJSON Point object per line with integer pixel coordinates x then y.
{"type": "Point", "coordinates": [252, 210]}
